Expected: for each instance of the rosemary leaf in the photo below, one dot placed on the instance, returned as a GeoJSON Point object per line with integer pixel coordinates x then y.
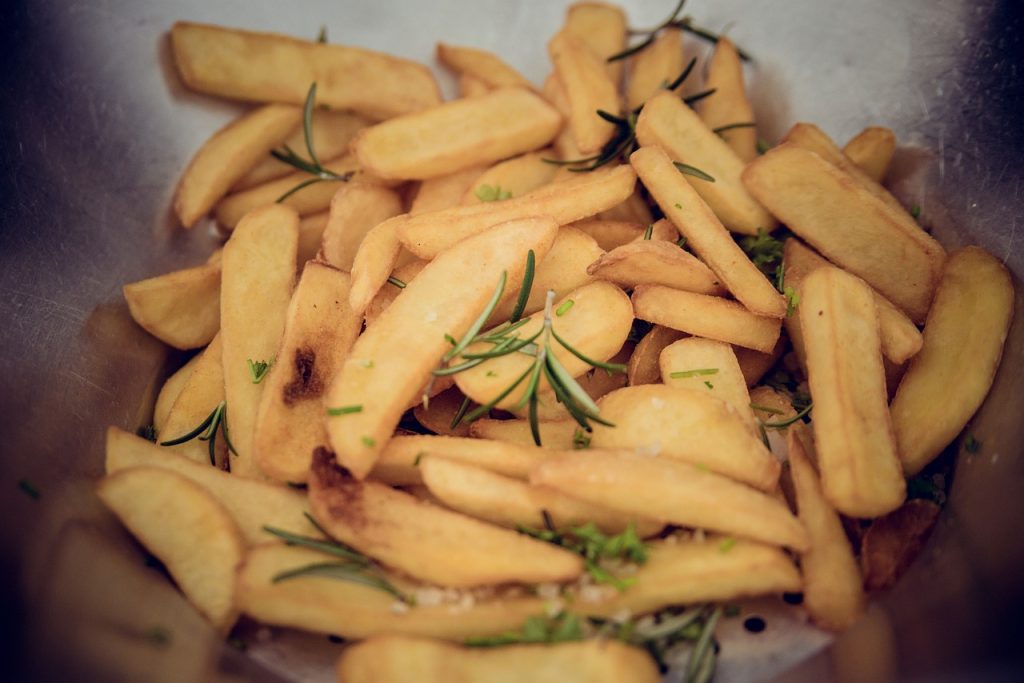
{"type": "Point", "coordinates": [524, 289]}
{"type": "Point", "coordinates": [693, 373]}
{"type": "Point", "coordinates": [396, 282]}
{"type": "Point", "coordinates": [697, 97]}
{"type": "Point", "coordinates": [733, 126]}
{"type": "Point", "coordinates": [687, 169]}
{"type": "Point", "coordinates": [344, 410]}
{"type": "Point", "coordinates": [329, 547]}
{"type": "Point", "coordinates": [479, 322]}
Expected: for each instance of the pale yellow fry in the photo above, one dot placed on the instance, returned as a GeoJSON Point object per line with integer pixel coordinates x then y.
{"type": "Point", "coordinates": [485, 66]}
{"type": "Point", "coordinates": [643, 366]}
{"type": "Point", "coordinates": [860, 469]}
{"type": "Point", "coordinates": [833, 587]}
{"type": "Point", "coordinates": [267, 67]}
{"type": "Point", "coordinates": [557, 434]}
{"type": "Point", "coordinates": [514, 177]}
{"type": "Point", "coordinates": [706, 316]}
{"type": "Point", "coordinates": [374, 260]}
{"type": "Point", "coordinates": [228, 155]}
{"type": "Point", "coordinates": [259, 274]}
{"type": "Point", "coordinates": [417, 538]}
{"type": "Point", "coordinates": [180, 308]}
{"type": "Point", "coordinates": [871, 150]}
{"type": "Point", "coordinates": [611, 234]}
{"type": "Point", "coordinates": [677, 492]}
{"type": "Point", "coordinates": [186, 529]}
{"type": "Point", "coordinates": [398, 464]}
{"type": "Point", "coordinates": [171, 390]}
{"type": "Point", "coordinates": [428, 234]}
{"type": "Point", "coordinates": [602, 28]}
{"type": "Point", "coordinates": [655, 262]}
{"type": "Point", "coordinates": [202, 392]}
{"type": "Point", "coordinates": [401, 659]}
{"type": "Point", "coordinates": [356, 209]}
{"type": "Point", "coordinates": [688, 425]}
{"type": "Point", "coordinates": [311, 231]}
{"type": "Point", "coordinates": [963, 343]}
{"type": "Point", "coordinates": [408, 339]}
{"type": "Point", "coordinates": [668, 123]}
{"type": "Point", "coordinates": [695, 220]}
{"type": "Point", "coordinates": [471, 86]}
{"type": "Point", "coordinates": [729, 104]}
{"type": "Point", "coordinates": [457, 135]}
{"type": "Point", "coordinates": [654, 67]}
{"type": "Point", "coordinates": [588, 89]}
{"type": "Point", "coordinates": [389, 292]}
{"type": "Point", "coordinates": [695, 353]}
{"type": "Point", "coordinates": [444, 192]}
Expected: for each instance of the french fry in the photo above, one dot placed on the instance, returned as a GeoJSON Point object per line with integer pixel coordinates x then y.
{"type": "Point", "coordinates": [512, 177]}
{"type": "Point", "coordinates": [356, 208]}
{"type": "Point", "coordinates": [440, 301]}
{"type": "Point", "coordinates": [440, 413]}
{"type": "Point", "coordinates": [267, 67]}
{"type": "Point", "coordinates": [963, 342]}
{"type": "Point", "coordinates": [373, 262]}
{"type": "Point", "coordinates": [633, 208]}
{"type": "Point", "coordinates": [170, 391]}
{"type": "Point", "coordinates": [186, 529]}
{"type": "Point", "coordinates": [687, 425]}
{"type": "Point", "coordinates": [891, 543]}
{"type": "Point", "coordinates": [729, 105]}
{"type": "Point", "coordinates": [398, 464]}
{"type": "Point", "coordinates": [256, 286]}
{"type": "Point", "coordinates": [557, 434]}
{"type": "Point", "coordinates": [650, 262]}
{"type": "Point", "coordinates": [388, 293]}
{"type": "Point", "coordinates": [612, 234]}
{"type": "Point", "coordinates": [754, 364]}
{"type": "Point", "coordinates": [871, 150]}
{"type": "Point", "coordinates": [311, 232]}
{"type": "Point", "coordinates": [199, 397]}
{"type": "Point", "coordinates": [471, 86]}
{"type": "Point", "coordinates": [674, 491]}
{"type": "Point", "coordinates": [695, 220]}
{"type": "Point", "coordinates": [180, 308]}
{"type": "Point", "coordinates": [857, 457]}
{"type": "Point", "coordinates": [833, 588]}
{"type": "Point", "coordinates": [402, 532]}
{"type": "Point", "coordinates": [457, 135]}
{"type": "Point", "coordinates": [401, 659]}
{"type": "Point", "coordinates": [429, 233]}
{"type": "Point", "coordinates": [596, 324]}
{"type": "Point", "coordinates": [508, 502]}
{"type": "Point", "coordinates": [588, 89]}
{"type": "Point", "coordinates": [654, 66]}
{"type": "Point", "coordinates": [705, 316]}
{"type": "Point", "coordinates": [668, 123]}
{"type": "Point", "coordinates": [643, 366]}
{"type": "Point", "coordinates": [444, 192]}
{"type": "Point", "coordinates": [228, 155]}
{"type": "Point", "coordinates": [688, 364]}
{"type": "Point", "coordinates": [252, 503]}
{"type": "Point", "coordinates": [485, 66]}
{"type": "Point", "coordinates": [602, 28]}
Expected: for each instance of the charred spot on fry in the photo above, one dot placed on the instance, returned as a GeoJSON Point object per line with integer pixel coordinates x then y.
{"type": "Point", "coordinates": [305, 384]}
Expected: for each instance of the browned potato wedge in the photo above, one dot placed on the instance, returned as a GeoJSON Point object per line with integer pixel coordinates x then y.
{"type": "Point", "coordinates": [228, 155]}
{"type": "Point", "coordinates": [356, 208]}
{"type": "Point", "coordinates": [650, 262]}
{"type": "Point", "coordinates": [860, 468]}
{"type": "Point", "coordinates": [963, 342]}
{"type": "Point", "coordinates": [706, 316]}
{"type": "Point", "coordinates": [171, 390]}
{"type": "Point", "coordinates": [668, 123]}
{"type": "Point", "coordinates": [729, 105]}
{"type": "Point", "coordinates": [891, 543]}
{"type": "Point", "coordinates": [428, 234]}
{"type": "Point", "coordinates": [252, 503]}
{"type": "Point", "coordinates": [509, 502]}
{"type": "Point", "coordinates": [180, 308]}
{"type": "Point", "coordinates": [674, 491]}
{"type": "Point", "coordinates": [602, 27]}
{"type": "Point", "coordinates": [485, 66]}
{"type": "Point", "coordinates": [707, 366]}
{"type": "Point", "coordinates": [643, 366]}
{"type": "Point", "coordinates": [457, 135]}
{"type": "Point", "coordinates": [654, 66]}
{"type": "Point", "coordinates": [704, 233]}
{"type": "Point", "coordinates": [687, 425]}
{"type": "Point", "coordinates": [401, 659]}
{"type": "Point", "coordinates": [256, 286]}
{"type": "Point", "coordinates": [871, 150]}
{"type": "Point", "coordinates": [417, 538]}
{"type": "Point", "coordinates": [267, 67]}
{"type": "Point", "coordinates": [437, 303]}
{"type": "Point", "coordinates": [558, 434]}
{"type": "Point", "coordinates": [439, 414]}
{"type": "Point", "coordinates": [471, 86]}
{"type": "Point", "coordinates": [848, 224]}
{"type": "Point", "coordinates": [318, 332]}
{"type": "Point", "coordinates": [833, 590]}
{"type": "Point", "coordinates": [445, 191]}
{"type": "Point", "coordinates": [199, 397]}
{"type": "Point", "coordinates": [588, 89]}
{"type": "Point", "coordinates": [399, 461]}
{"type": "Point", "coordinates": [311, 232]}
{"type": "Point", "coordinates": [186, 529]}
{"type": "Point", "coordinates": [511, 178]}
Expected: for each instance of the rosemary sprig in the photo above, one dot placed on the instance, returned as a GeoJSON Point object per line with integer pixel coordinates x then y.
{"type": "Point", "coordinates": [785, 423]}
{"type": "Point", "coordinates": [674, 21]}
{"type": "Point", "coordinates": [524, 290]}
{"type": "Point", "coordinates": [792, 296]}
{"type": "Point", "coordinates": [649, 232]}
{"type": "Point", "coordinates": [396, 282]}
{"type": "Point", "coordinates": [312, 165]}
{"type": "Point", "coordinates": [733, 126]}
{"type": "Point", "coordinates": [207, 431]}
{"type": "Point", "coordinates": [491, 193]}
{"type": "Point", "coordinates": [687, 169]}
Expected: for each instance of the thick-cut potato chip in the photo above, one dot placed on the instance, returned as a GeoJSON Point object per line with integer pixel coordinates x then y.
{"type": "Point", "coordinates": [657, 65]}
{"type": "Point", "coordinates": [674, 491]}
{"type": "Point", "coordinates": [695, 220]}
{"type": "Point", "coordinates": [709, 366]}
{"type": "Point", "coordinates": [860, 468]}
{"type": "Point", "coordinates": [444, 192]}
{"type": "Point", "coordinates": [668, 123]}
{"type": "Point", "coordinates": [558, 434]}
{"type": "Point", "coordinates": [457, 135]}
{"type": "Point", "coordinates": [650, 262]}
{"type": "Point", "coordinates": [511, 178]}
{"type": "Point", "coordinates": [417, 538]}
{"type": "Point", "coordinates": [688, 425]}
{"type": "Point", "coordinates": [256, 286]}
{"type": "Point", "coordinates": [602, 27]}
{"type": "Point", "coordinates": [401, 659]}
{"type": "Point", "coordinates": [485, 66]}
{"type": "Point", "coordinates": [891, 543]}
{"type": "Point", "coordinates": [440, 412]}
{"type": "Point", "coordinates": [199, 397]}
{"type": "Point", "coordinates": [228, 155]}
{"type": "Point", "coordinates": [643, 366]}
{"type": "Point", "coordinates": [184, 527]}
{"type": "Point", "coordinates": [356, 208]}
{"type": "Point", "coordinates": [170, 391]}
{"type": "Point", "coordinates": [428, 234]}
{"type": "Point", "coordinates": [729, 105]}
{"type": "Point", "coordinates": [408, 339]}
{"type": "Point", "coordinates": [471, 86]}
{"type": "Point", "coordinates": [180, 308]}
{"type": "Point", "coordinates": [872, 150]}
{"type": "Point", "coordinates": [399, 461]}
{"type": "Point", "coordinates": [963, 342]}
{"type": "Point", "coordinates": [588, 89]}
{"type": "Point", "coordinates": [267, 67]}
{"type": "Point", "coordinates": [706, 316]}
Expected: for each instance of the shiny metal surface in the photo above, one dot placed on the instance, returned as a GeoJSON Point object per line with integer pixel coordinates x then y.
{"type": "Point", "coordinates": [94, 130]}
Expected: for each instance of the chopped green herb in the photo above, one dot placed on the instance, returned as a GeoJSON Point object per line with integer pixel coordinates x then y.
{"type": "Point", "coordinates": [148, 433]}
{"type": "Point", "coordinates": [708, 384]}
{"type": "Point", "coordinates": [687, 169]}
{"type": "Point", "coordinates": [369, 441]}
{"type": "Point", "coordinates": [681, 242]}
{"type": "Point", "coordinates": [491, 373]}
{"type": "Point", "coordinates": [678, 205]}
{"type": "Point", "coordinates": [419, 457]}
{"type": "Point", "coordinates": [157, 635]}
{"type": "Point", "coordinates": [524, 289]}
{"type": "Point", "coordinates": [733, 126]}
{"type": "Point", "coordinates": [693, 373]}
{"type": "Point", "coordinates": [590, 543]}
{"type": "Point", "coordinates": [971, 444]}
{"type": "Point", "coordinates": [258, 369]}
{"type": "Point", "coordinates": [322, 36]}
{"type": "Point", "coordinates": [366, 363]}
{"type": "Point", "coordinates": [29, 489]}
{"type": "Point", "coordinates": [650, 230]}
{"type": "Point", "coordinates": [344, 410]}
{"type": "Point", "coordinates": [396, 282]}
{"type": "Point", "coordinates": [727, 544]}
{"type": "Point", "coordinates": [924, 487]}
{"type": "Point", "coordinates": [915, 211]}
{"type": "Point", "coordinates": [564, 307]}
{"type": "Point", "coordinates": [731, 611]}
{"type": "Point", "coordinates": [561, 628]}
{"type": "Point", "coordinates": [785, 423]}
{"type": "Point", "coordinates": [762, 146]}
{"type": "Point", "coordinates": [580, 440]}
{"type": "Point", "coordinates": [764, 250]}
{"type": "Point", "coordinates": [486, 193]}
{"type": "Point", "coordinates": [766, 409]}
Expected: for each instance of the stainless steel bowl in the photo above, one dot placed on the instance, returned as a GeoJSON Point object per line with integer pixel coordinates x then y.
{"type": "Point", "coordinates": [95, 129]}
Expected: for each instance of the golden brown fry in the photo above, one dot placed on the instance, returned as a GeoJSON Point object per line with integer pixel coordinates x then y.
{"type": "Point", "coordinates": [891, 543]}
{"type": "Point", "coordinates": [457, 135]}
{"type": "Point", "coordinates": [439, 414]}
{"type": "Point", "coordinates": [650, 262]}
{"type": "Point", "coordinates": [445, 191]}
{"type": "Point", "coordinates": [267, 67]}
{"type": "Point", "coordinates": [399, 461]}
{"type": "Point", "coordinates": [588, 89]}
{"type": "Point", "coordinates": [729, 105]}
{"type": "Point", "coordinates": [171, 390]}
{"type": "Point", "coordinates": [557, 434]}
{"type": "Point", "coordinates": [688, 363]}
{"type": "Point", "coordinates": [512, 177]}
{"type": "Point", "coordinates": [200, 395]}
{"type": "Point", "coordinates": [652, 68]}
{"type": "Point", "coordinates": [373, 262]}
{"type": "Point", "coordinates": [180, 308]}
{"type": "Point", "coordinates": [871, 150]}
{"type": "Point", "coordinates": [485, 66]}
{"type": "Point", "coordinates": [356, 208]}
{"type": "Point", "coordinates": [471, 86]}
{"type": "Point", "coordinates": [643, 366]}
{"type": "Point", "coordinates": [704, 234]}
{"type": "Point", "coordinates": [705, 316]}
{"type": "Point", "coordinates": [963, 342]}
{"type": "Point", "coordinates": [860, 469]}
{"type": "Point", "coordinates": [602, 28]}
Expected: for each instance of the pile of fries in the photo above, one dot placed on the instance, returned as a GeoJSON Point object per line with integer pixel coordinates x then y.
{"type": "Point", "coordinates": [492, 384]}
